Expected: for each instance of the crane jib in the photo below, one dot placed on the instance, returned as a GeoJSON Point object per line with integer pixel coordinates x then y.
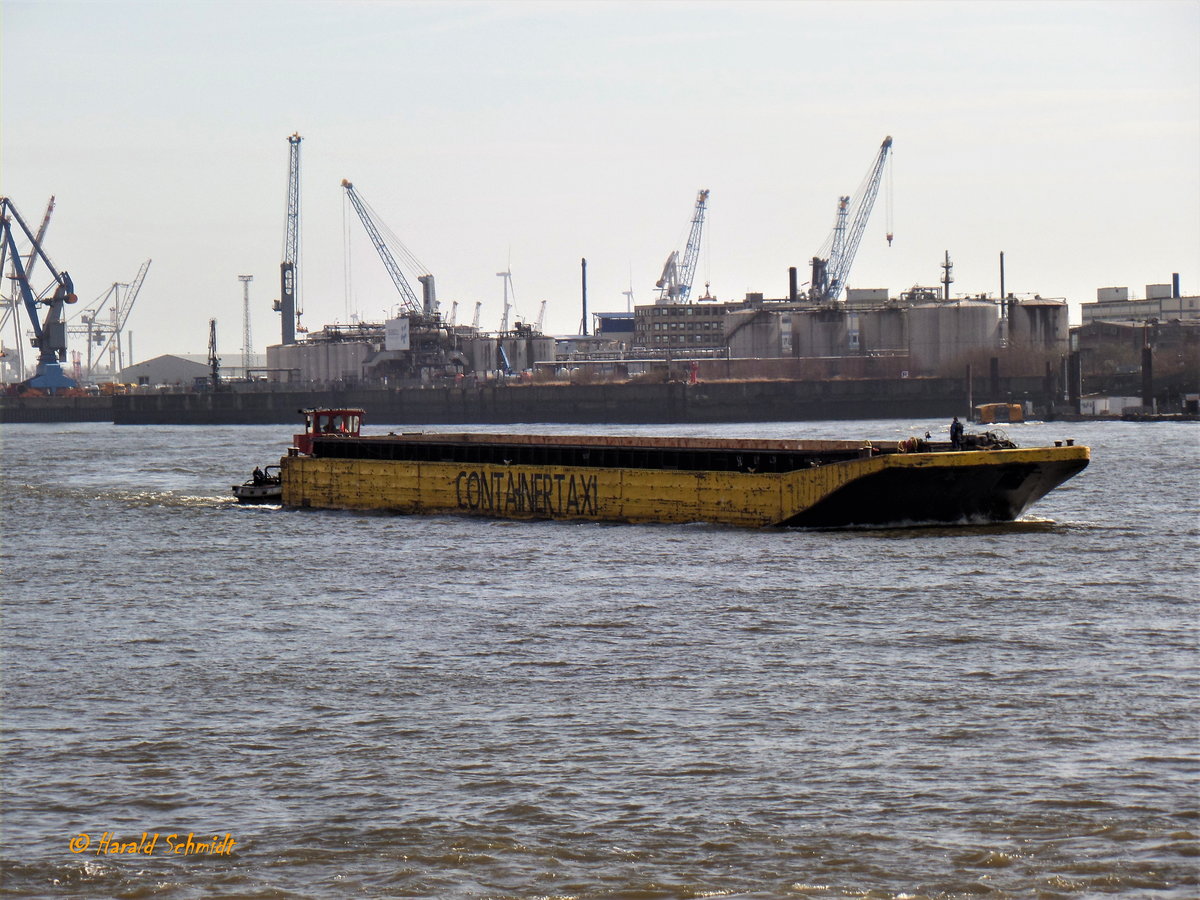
{"type": "Point", "coordinates": [406, 292]}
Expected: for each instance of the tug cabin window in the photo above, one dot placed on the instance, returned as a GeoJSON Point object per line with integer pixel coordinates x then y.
{"type": "Point", "coordinates": [333, 421]}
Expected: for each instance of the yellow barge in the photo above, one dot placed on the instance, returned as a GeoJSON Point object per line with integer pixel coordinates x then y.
{"type": "Point", "coordinates": [752, 483]}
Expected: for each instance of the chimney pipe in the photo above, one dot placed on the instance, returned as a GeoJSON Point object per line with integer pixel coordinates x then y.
{"type": "Point", "coordinates": [583, 325]}
{"type": "Point", "coordinates": [1148, 378]}
{"type": "Point", "coordinates": [792, 283]}
{"type": "Point", "coordinates": [1175, 286]}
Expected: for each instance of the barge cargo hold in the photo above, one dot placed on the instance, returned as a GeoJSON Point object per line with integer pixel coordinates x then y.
{"type": "Point", "coordinates": [751, 483]}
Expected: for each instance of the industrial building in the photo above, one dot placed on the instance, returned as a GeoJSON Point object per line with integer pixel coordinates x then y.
{"type": "Point", "coordinates": [168, 369]}
{"type": "Point", "coordinates": [1162, 302]}
{"type": "Point", "coordinates": [681, 325]}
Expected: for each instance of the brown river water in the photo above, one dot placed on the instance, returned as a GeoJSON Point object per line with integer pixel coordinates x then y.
{"type": "Point", "coordinates": [342, 704]}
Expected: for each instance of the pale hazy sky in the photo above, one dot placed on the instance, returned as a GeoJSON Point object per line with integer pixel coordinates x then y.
{"type": "Point", "coordinates": [533, 134]}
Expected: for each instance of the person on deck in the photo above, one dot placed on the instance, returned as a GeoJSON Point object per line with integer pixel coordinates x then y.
{"type": "Point", "coordinates": [956, 433]}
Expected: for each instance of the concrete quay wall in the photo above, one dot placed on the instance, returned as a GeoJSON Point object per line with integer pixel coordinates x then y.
{"type": "Point", "coordinates": [55, 409]}
{"type": "Point", "coordinates": [597, 403]}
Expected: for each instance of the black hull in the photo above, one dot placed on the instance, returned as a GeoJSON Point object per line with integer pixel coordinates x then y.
{"type": "Point", "coordinates": [949, 495]}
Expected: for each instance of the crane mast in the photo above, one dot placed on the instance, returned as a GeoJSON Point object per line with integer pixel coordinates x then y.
{"type": "Point", "coordinates": [408, 298]}
{"type": "Point", "coordinates": [507, 276]}
{"type": "Point", "coordinates": [831, 265]}
{"type": "Point", "coordinates": [214, 361]}
{"type": "Point", "coordinates": [247, 336]}
{"type": "Point", "coordinates": [675, 285]}
{"type": "Point", "coordinates": [286, 305]}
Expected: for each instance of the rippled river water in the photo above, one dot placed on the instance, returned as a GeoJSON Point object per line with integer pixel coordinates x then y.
{"type": "Point", "coordinates": [374, 705]}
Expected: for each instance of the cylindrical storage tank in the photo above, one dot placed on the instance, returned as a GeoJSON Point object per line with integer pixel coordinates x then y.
{"type": "Point", "coordinates": [943, 333]}
{"type": "Point", "coordinates": [481, 351]}
{"type": "Point", "coordinates": [337, 360]}
{"type": "Point", "coordinates": [1039, 325]}
{"type": "Point", "coordinates": [541, 349]}
{"type": "Point", "coordinates": [820, 332]}
{"type": "Point", "coordinates": [517, 353]}
{"type": "Point", "coordinates": [883, 329]}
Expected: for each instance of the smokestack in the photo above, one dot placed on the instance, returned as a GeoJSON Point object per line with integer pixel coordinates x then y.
{"type": "Point", "coordinates": [1175, 285]}
{"type": "Point", "coordinates": [792, 283]}
{"type": "Point", "coordinates": [1074, 381]}
{"type": "Point", "coordinates": [1148, 378]}
{"type": "Point", "coordinates": [1003, 302]}
{"type": "Point", "coordinates": [429, 302]}
{"type": "Point", "coordinates": [583, 324]}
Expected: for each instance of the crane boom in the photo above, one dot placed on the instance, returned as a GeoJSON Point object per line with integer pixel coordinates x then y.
{"type": "Point", "coordinates": [675, 285]}
{"type": "Point", "coordinates": [831, 265]}
{"type": "Point", "coordinates": [40, 237]}
{"type": "Point", "coordinates": [407, 296]}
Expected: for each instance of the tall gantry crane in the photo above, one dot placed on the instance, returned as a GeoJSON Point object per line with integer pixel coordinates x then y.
{"type": "Point", "coordinates": [675, 285]}
{"type": "Point", "coordinates": [109, 336]}
{"type": "Point", "coordinates": [50, 334]}
{"type": "Point", "coordinates": [247, 336]}
{"type": "Point", "coordinates": [428, 306]}
{"type": "Point", "coordinates": [831, 265]}
{"type": "Point", "coordinates": [288, 279]}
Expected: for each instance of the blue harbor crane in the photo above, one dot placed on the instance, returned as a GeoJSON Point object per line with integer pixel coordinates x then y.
{"type": "Point", "coordinates": [426, 307]}
{"type": "Point", "coordinates": [831, 265]}
{"type": "Point", "coordinates": [286, 304]}
{"type": "Point", "coordinates": [50, 333]}
{"type": "Point", "coordinates": [676, 282]}
{"type": "Point", "coordinates": [12, 310]}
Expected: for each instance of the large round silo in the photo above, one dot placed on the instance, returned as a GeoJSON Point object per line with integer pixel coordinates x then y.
{"type": "Point", "coordinates": [1039, 325]}
{"type": "Point", "coordinates": [942, 333]}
